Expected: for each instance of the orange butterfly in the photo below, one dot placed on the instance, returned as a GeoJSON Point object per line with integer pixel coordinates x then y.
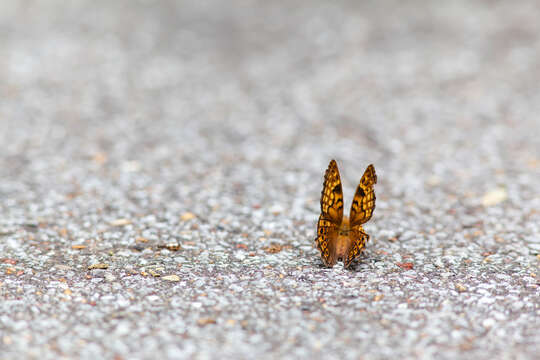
{"type": "Point", "coordinates": [338, 237]}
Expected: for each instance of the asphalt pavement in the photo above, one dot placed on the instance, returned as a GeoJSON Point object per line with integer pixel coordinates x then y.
{"type": "Point", "coordinates": [161, 165]}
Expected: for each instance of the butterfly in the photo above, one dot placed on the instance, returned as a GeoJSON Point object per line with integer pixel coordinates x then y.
{"type": "Point", "coordinates": [338, 237]}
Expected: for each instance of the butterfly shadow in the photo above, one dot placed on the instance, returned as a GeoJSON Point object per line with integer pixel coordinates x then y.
{"type": "Point", "coordinates": [364, 262]}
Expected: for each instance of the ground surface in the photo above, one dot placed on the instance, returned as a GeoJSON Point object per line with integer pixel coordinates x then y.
{"type": "Point", "coordinates": [126, 126]}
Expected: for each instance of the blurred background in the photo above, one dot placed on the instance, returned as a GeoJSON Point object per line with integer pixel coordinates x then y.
{"type": "Point", "coordinates": [428, 91]}
{"type": "Point", "coordinates": [230, 111]}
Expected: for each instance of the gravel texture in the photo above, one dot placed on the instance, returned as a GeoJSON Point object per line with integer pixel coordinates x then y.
{"type": "Point", "coordinates": [161, 164]}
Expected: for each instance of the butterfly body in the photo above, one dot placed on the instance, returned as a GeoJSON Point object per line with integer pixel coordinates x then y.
{"type": "Point", "coordinates": [344, 228]}
{"type": "Point", "coordinates": [342, 238]}
{"type": "Point", "coordinates": [343, 241]}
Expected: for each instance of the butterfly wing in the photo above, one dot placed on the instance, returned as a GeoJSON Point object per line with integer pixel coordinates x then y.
{"type": "Point", "coordinates": [364, 198]}
{"type": "Point", "coordinates": [359, 239]}
{"type": "Point", "coordinates": [327, 233]}
{"type": "Point", "coordinates": [332, 195]}
{"type": "Point", "coordinates": [361, 211]}
{"type": "Point", "coordinates": [331, 213]}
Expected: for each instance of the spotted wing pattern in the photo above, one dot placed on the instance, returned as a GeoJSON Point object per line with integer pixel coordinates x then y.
{"type": "Point", "coordinates": [359, 239]}
{"type": "Point", "coordinates": [364, 198]}
{"type": "Point", "coordinates": [331, 212]}
{"type": "Point", "coordinates": [327, 232]}
{"type": "Point", "coordinates": [332, 195]}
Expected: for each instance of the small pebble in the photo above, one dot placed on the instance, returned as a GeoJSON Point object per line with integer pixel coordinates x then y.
{"type": "Point", "coordinates": [98, 266]}
{"type": "Point", "coordinates": [171, 278]}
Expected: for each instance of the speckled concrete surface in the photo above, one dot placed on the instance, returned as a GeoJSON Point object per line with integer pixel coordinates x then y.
{"type": "Point", "coordinates": [177, 150]}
